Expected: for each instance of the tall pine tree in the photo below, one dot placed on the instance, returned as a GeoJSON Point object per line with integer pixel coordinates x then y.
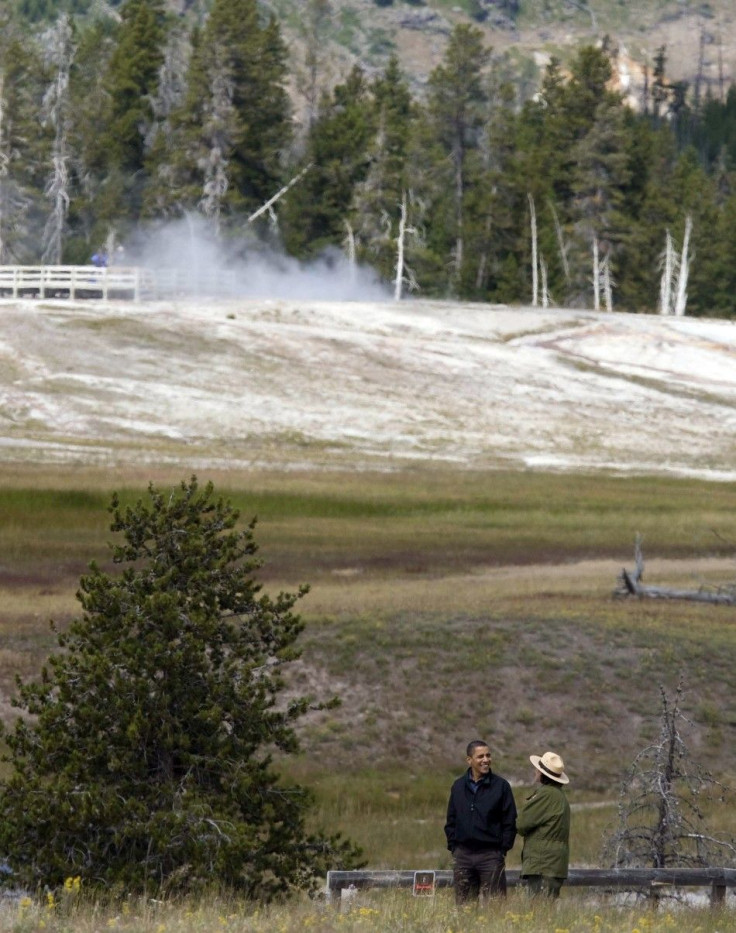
{"type": "Point", "coordinates": [234, 126]}
{"type": "Point", "coordinates": [378, 199]}
{"type": "Point", "coordinates": [317, 210]}
{"type": "Point", "coordinates": [456, 115]}
{"type": "Point", "coordinates": [146, 765]}
{"type": "Point", "coordinates": [130, 83]}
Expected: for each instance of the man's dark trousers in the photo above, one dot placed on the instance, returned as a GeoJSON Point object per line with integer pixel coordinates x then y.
{"type": "Point", "coordinates": [478, 872]}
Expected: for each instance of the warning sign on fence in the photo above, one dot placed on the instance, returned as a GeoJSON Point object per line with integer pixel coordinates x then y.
{"type": "Point", "coordinates": [423, 884]}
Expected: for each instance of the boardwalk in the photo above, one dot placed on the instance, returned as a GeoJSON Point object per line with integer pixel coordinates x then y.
{"type": "Point", "coordinates": [133, 283]}
{"type": "Point", "coordinates": [76, 282]}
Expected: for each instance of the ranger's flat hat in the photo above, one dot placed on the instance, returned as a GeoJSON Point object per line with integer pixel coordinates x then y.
{"type": "Point", "coordinates": [551, 765]}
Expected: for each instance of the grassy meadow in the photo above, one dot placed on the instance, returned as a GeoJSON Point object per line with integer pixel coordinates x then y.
{"type": "Point", "coordinates": [395, 911]}
{"type": "Point", "coordinates": [444, 606]}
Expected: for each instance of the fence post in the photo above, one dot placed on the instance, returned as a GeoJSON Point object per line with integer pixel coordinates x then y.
{"type": "Point", "coordinates": [717, 894]}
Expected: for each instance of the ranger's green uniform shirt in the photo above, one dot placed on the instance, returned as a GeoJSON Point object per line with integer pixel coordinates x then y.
{"type": "Point", "coordinates": [544, 822]}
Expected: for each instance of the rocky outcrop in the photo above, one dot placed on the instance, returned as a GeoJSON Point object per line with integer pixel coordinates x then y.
{"type": "Point", "coordinates": [424, 21]}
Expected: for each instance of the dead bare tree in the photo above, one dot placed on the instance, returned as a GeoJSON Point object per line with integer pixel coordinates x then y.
{"type": "Point", "coordinates": [675, 271]}
{"type": "Point", "coordinates": [684, 271]}
{"type": "Point", "coordinates": [268, 205]}
{"type": "Point", "coordinates": [607, 282]}
{"type": "Point", "coordinates": [660, 820]}
{"type": "Point", "coordinates": [630, 584]}
{"type": "Point", "coordinates": [535, 267]}
{"type": "Point", "coordinates": [545, 287]}
{"type": "Point", "coordinates": [560, 241]}
{"type": "Point", "coordinates": [349, 245]}
{"type": "Point", "coordinates": [56, 113]}
{"type": "Point", "coordinates": [596, 276]}
{"type": "Point", "coordinates": [669, 261]}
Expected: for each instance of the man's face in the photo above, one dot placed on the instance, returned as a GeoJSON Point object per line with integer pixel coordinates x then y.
{"type": "Point", "coordinates": [480, 761]}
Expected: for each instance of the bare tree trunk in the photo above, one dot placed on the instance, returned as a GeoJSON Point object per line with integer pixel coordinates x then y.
{"type": "Point", "coordinates": [608, 283]}
{"type": "Point", "coordinates": [684, 270]}
{"type": "Point", "coordinates": [533, 223]}
{"type": "Point", "coordinates": [215, 186]}
{"type": "Point", "coordinates": [561, 242]}
{"type": "Point", "coordinates": [543, 274]}
{"type": "Point", "coordinates": [661, 820]}
{"type": "Point", "coordinates": [663, 829]}
{"type": "Point", "coordinates": [399, 280]}
{"type": "Point", "coordinates": [55, 108]}
{"type": "Point", "coordinates": [217, 132]}
{"type": "Point", "coordinates": [631, 585]}
{"type": "Point", "coordinates": [280, 193]}
{"type": "Point", "coordinates": [596, 277]}
{"type": "Point", "coordinates": [350, 244]}
{"type": "Point", "coordinates": [669, 265]}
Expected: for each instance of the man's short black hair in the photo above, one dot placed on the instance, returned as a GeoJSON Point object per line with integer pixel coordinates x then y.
{"type": "Point", "coordinates": [476, 743]}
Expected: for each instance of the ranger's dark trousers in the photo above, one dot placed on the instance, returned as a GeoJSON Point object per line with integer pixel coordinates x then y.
{"type": "Point", "coordinates": [478, 873]}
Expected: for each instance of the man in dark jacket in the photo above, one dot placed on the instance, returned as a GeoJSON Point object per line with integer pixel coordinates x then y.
{"type": "Point", "coordinates": [544, 822]}
{"type": "Point", "coordinates": [480, 828]}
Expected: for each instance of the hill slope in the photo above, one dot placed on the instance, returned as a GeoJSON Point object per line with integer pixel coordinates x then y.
{"type": "Point", "coordinates": [499, 586]}
{"type": "Point", "coordinates": [700, 39]}
{"type": "Point", "coordinates": [294, 383]}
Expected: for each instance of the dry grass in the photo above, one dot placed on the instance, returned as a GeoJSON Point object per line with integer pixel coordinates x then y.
{"type": "Point", "coordinates": [376, 911]}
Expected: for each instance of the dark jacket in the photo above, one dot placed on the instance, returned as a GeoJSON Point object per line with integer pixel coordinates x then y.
{"type": "Point", "coordinates": [485, 819]}
{"type": "Point", "coordinates": [544, 822]}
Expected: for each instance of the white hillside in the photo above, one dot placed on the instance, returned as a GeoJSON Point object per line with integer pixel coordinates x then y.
{"type": "Point", "coordinates": [298, 383]}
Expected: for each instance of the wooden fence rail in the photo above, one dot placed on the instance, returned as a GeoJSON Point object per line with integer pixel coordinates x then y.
{"type": "Point", "coordinates": [612, 880]}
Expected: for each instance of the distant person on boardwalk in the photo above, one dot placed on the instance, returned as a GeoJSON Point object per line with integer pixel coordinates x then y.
{"type": "Point", "coordinates": [99, 259]}
{"type": "Point", "coordinates": [480, 827]}
{"type": "Point", "coordinates": [544, 822]}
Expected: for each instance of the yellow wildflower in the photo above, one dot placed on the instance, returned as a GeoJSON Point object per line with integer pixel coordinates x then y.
{"type": "Point", "coordinates": [72, 885]}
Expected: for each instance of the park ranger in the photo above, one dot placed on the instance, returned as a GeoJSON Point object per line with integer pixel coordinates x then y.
{"type": "Point", "coordinates": [544, 822]}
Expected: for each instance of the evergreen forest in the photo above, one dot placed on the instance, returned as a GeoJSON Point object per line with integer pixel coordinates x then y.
{"type": "Point", "coordinates": [115, 119]}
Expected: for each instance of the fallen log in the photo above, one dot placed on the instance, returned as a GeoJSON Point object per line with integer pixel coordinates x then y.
{"type": "Point", "coordinates": [631, 585]}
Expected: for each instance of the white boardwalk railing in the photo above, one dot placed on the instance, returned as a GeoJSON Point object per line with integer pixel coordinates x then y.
{"type": "Point", "coordinates": [76, 282]}
{"type": "Point", "coordinates": [127, 282]}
